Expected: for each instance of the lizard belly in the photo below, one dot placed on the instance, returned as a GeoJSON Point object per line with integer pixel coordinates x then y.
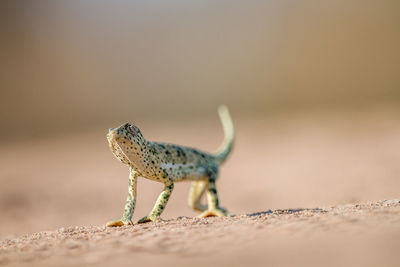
{"type": "Point", "coordinates": [180, 172]}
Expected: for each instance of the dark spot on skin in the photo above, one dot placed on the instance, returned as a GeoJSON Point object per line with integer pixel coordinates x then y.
{"type": "Point", "coordinates": [171, 186]}
{"type": "Point", "coordinates": [212, 190]}
{"type": "Point", "coordinates": [183, 153]}
{"type": "Point", "coordinates": [152, 161]}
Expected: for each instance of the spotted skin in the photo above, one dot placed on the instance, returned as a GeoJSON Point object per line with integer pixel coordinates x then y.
{"type": "Point", "coordinates": [167, 164]}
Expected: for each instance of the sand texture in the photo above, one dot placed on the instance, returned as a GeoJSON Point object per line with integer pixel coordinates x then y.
{"type": "Point", "coordinates": [358, 235]}
{"type": "Point", "coordinates": [306, 189]}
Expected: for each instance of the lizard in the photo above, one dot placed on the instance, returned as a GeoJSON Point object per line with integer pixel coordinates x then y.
{"type": "Point", "coordinates": [169, 163]}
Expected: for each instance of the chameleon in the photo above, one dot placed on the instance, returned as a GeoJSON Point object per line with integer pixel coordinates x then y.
{"type": "Point", "coordinates": [169, 163]}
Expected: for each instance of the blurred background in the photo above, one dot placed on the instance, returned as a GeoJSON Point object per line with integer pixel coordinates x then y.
{"type": "Point", "coordinates": [313, 86]}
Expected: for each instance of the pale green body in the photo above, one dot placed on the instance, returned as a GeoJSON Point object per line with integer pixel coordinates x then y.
{"type": "Point", "coordinates": [168, 163]}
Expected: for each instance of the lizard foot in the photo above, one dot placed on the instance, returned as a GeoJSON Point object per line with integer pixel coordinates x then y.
{"type": "Point", "coordinates": [118, 223]}
{"type": "Point", "coordinates": [220, 212]}
{"type": "Point", "coordinates": [148, 219]}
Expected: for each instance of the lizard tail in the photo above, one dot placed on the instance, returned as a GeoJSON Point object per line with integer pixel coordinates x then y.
{"type": "Point", "coordinates": [229, 131]}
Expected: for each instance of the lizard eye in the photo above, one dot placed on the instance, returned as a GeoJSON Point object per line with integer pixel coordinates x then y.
{"type": "Point", "coordinates": [133, 129]}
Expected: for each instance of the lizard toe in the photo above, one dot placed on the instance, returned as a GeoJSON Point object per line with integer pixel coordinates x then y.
{"type": "Point", "coordinates": [213, 213]}
{"type": "Point", "coordinates": [147, 219]}
{"type": "Point", "coordinates": [118, 223]}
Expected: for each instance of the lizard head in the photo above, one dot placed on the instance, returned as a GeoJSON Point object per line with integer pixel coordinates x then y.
{"type": "Point", "coordinates": [128, 145]}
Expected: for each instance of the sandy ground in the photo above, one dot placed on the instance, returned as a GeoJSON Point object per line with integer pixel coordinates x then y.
{"type": "Point", "coordinates": [353, 235]}
{"type": "Point", "coordinates": [305, 188]}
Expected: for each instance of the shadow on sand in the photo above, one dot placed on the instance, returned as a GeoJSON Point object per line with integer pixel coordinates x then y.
{"type": "Point", "coordinates": [286, 211]}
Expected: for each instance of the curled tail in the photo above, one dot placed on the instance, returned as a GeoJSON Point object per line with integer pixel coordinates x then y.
{"type": "Point", "coordinates": [229, 131]}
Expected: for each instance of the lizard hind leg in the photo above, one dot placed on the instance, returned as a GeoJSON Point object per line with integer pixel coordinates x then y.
{"type": "Point", "coordinates": [213, 203]}
{"type": "Point", "coordinates": [196, 191]}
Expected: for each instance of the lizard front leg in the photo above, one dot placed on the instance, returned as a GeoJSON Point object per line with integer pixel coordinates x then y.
{"type": "Point", "coordinates": [160, 203]}
{"type": "Point", "coordinates": [130, 202]}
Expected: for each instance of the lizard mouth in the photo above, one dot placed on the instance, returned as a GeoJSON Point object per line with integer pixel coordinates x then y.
{"type": "Point", "coordinates": [116, 148]}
